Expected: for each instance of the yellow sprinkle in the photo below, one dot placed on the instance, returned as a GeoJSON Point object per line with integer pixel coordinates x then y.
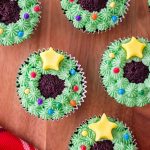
{"type": "Point", "coordinates": [84, 133]}
{"type": "Point", "coordinates": [27, 91]}
{"type": "Point", "coordinates": [112, 55]}
{"type": "Point", "coordinates": [112, 4]}
{"type": "Point", "coordinates": [1, 31]}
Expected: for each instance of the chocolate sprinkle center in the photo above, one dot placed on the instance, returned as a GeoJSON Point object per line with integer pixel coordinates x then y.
{"type": "Point", "coordinates": [51, 86]}
{"type": "Point", "coordinates": [103, 145]}
{"type": "Point", "coordinates": [136, 72]}
{"type": "Point", "coordinates": [9, 11]}
{"type": "Point", "coordinates": [92, 5]}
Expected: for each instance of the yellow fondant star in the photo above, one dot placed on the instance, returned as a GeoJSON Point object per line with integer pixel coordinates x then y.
{"type": "Point", "coordinates": [103, 128]}
{"type": "Point", "coordinates": [134, 48]}
{"type": "Point", "coordinates": [51, 59]}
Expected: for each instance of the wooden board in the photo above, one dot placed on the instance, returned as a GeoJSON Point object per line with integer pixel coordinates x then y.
{"type": "Point", "coordinates": [55, 30]}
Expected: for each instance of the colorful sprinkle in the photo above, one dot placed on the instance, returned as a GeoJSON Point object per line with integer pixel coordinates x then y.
{"type": "Point", "coordinates": [40, 101]}
{"type": "Point", "coordinates": [121, 91]}
{"type": "Point", "coordinates": [84, 133]}
{"type": "Point", "coordinates": [73, 103]}
{"type": "Point", "coordinates": [112, 55]}
{"type": "Point", "coordinates": [141, 92]}
{"type": "Point", "coordinates": [116, 70]}
{"type": "Point", "coordinates": [37, 8]}
{"type": "Point", "coordinates": [58, 105]}
{"type": "Point", "coordinates": [26, 16]}
{"type": "Point", "coordinates": [1, 31]}
{"type": "Point", "coordinates": [126, 136]}
{"type": "Point", "coordinates": [75, 88]}
{"type": "Point", "coordinates": [71, 1]}
{"type": "Point", "coordinates": [20, 34]}
{"type": "Point", "coordinates": [94, 16]}
{"type": "Point", "coordinates": [82, 147]}
{"type": "Point", "coordinates": [27, 91]}
{"type": "Point", "coordinates": [114, 18]}
{"type": "Point", "coordinates": [72, 71]}
{"type": "Point", "coordinates": [78, 18]}
{"type": "Point", "coordinates": [50, 111]}
{"type": "Point", "coordinates": [112, 5]}
{"type": "Point", "coordinates": [33, 74]}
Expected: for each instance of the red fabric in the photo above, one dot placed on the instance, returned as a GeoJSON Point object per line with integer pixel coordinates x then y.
{"type": "Point", "coordinates": [11, 142]}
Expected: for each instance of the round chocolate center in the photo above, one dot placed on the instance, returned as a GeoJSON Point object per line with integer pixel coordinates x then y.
{"type": "Point", "coordinates": [136, 72]}
{"type": "Point", "coordinates": [51, 86]}
{"type": "Point", "coordinates": [103, 145]}
{"type": "Point", "coordinates": [9, 11]}
{"type": "Point", "coordinates": [92, 5]}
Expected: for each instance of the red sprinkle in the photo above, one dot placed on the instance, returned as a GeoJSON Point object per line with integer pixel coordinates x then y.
{"type": "Point", "coordinates": [82, 147]}
{"type": "Point", "coordinates": [75, 88]}
{"type": "Point", "coordinates": [37, 8]}
{"type": "Point", "coordinates": [71, 1]}
{"type": "Point", "coordinates": [33, 74]}
{"type": "Point", "coordinates": [116, 70]}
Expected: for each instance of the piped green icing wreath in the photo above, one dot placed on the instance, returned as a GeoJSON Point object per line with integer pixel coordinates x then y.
{"type": "Point", "coordinates": [51, 84]}
{"type": "Point", "coordinates": [102, 133]}
{"type": "Point", "coordinates": [149, 3]}
{"type": "Point", "coordinates": [18, 19]}
{"type": "Point", "coordinates": [94, 15]}
{"type": "Point", "coordinates": [125, 71]}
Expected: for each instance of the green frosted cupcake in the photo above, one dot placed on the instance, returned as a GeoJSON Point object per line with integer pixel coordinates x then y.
{"type": "Point", "coordinates": [148, 3]}
{"type": "Point", "coordinates": [94, 15]}
{"type": "Point", "coordinates": [51, 84]}
{"type": "Point", "coordinates": [125, 71]}
{"type": "Point", "coordinates": [18, 19]}
{"type": "Point", "coordinates": [102, 133]}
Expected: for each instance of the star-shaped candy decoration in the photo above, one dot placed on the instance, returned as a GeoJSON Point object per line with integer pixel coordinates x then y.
{"type": "Point", "coordinates": [51, 59]}
{"type": "Point", "coordinates": [103, 128]}
{"type": "Point", "coordinates": [134, 48]}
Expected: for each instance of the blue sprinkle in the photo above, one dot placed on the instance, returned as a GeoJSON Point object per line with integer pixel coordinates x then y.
{"type": "Point", "coordinates": [121, 91]}
{"type": "Point", "coordinates": [50, 111]}
{"type": "Point", "coordinates": [126, 136]}
{"type": "Point", "coordinates": [72, 72]}
{"type": "Point", "coordinates": [20, 34]}
{"type": "Point", "coordinates": [114, 18]}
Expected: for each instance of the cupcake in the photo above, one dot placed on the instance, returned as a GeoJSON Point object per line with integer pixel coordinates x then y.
{"type": "Point", "coordinates": [8, 141]}
{"type": "Point", "coordinates": [125, 71]}
{"type": "Point", "coordinates": [94, 15]}
{"type": "Point", "coordinates": [51, 84]}
{"type": "Point", "coordinates": [18, 19]}
{"type": "Point", "coordinates": [102, 133]}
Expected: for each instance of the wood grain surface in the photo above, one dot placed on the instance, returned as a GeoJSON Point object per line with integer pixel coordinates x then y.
{"type": "Point", "coordinates": [55, 30]}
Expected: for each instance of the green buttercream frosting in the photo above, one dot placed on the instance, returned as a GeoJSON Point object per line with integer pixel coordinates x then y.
{"type": "Point", "coordinates": [10, 35]}
{"type": "Point", "coordinates": [122, 137]}
{"type": "Point", "coordinates": [106, 18]}
{"type": "Point", "coordinates": [135, 94]}
{"type": "Point", "coordinates": [29, 92]}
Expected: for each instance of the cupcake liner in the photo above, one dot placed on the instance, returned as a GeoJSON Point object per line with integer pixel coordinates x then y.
{"type": "Point", "coordinates": [79, 69]}
{"type": "Point", "coordinates": [116, 119]}
{"type": "Point", "coordinates": [101, 60]}
{"type": "Point", "coordinates": [108, 29]}
{"type": "Point", "coordinates": [34, 28]}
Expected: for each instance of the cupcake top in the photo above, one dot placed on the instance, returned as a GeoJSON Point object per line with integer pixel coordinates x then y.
{"type": "Point", "coordinates": [102, 133]}
{"type": "Point", "coordinates": [94, 15]}
{"type": "Point", "coordinates": [125, 71]}
{"type": "Point", "coordinates": [51, 84]}
{"type": "Point", "coordinates": [18, 18]}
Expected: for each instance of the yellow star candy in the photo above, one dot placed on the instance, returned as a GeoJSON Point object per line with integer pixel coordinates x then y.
{"type": "Point", "coordinates": [51, 59]}
{"type": "Point", "coordinates": [134, 48]}
{"type": "Point", "coordinates": [103, 128]}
